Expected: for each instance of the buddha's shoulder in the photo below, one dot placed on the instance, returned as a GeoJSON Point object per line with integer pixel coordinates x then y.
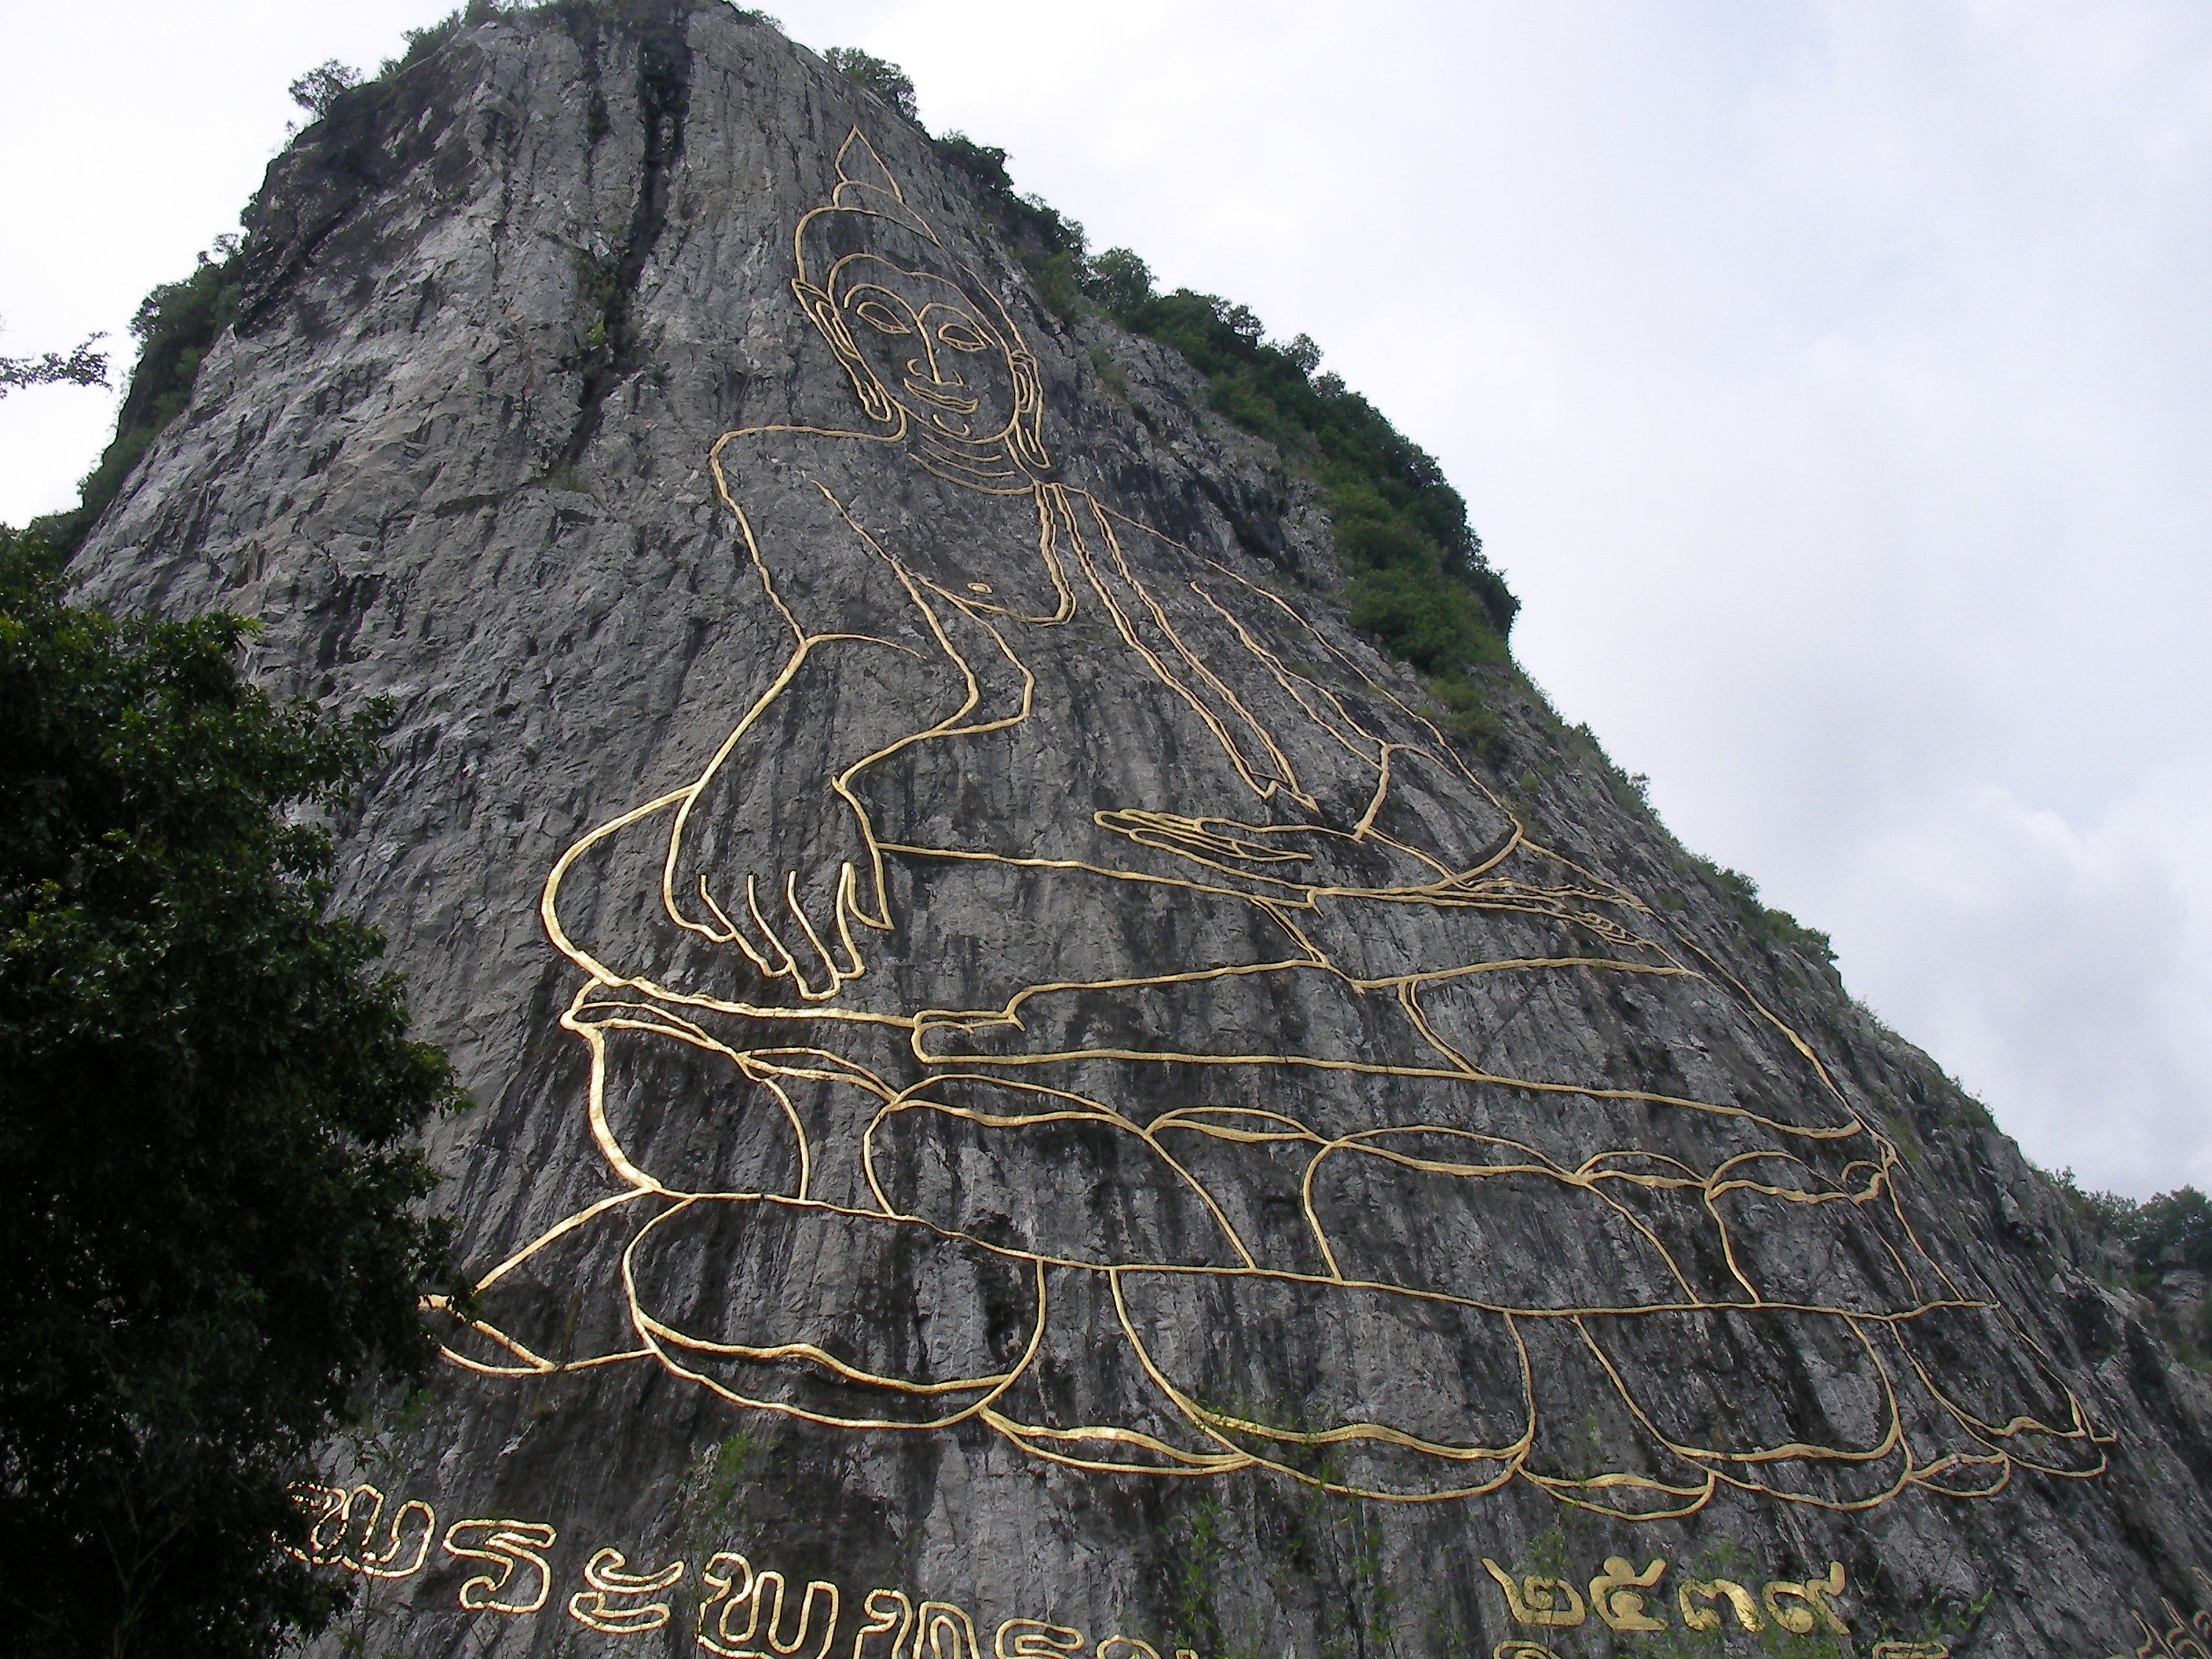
{"type": "Point", "coordinates": [752, 450]}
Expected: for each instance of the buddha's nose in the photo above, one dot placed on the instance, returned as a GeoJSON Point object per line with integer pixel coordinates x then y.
{"type": "Point", "coordinates": [927, 373]}
{"type": "Point", "coordinates": [925, 367]}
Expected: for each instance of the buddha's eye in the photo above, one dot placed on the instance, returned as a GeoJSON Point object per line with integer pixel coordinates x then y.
{"type": "Point", "coordinates": [881, 318]}
{"type": "Point", "coordinates": [963, 337]}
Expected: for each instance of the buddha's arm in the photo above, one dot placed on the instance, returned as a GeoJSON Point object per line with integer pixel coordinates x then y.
{"type": "Point", "coordinates": [773, 850]}
{"type": "Point", "coordinates": [1326, 754]}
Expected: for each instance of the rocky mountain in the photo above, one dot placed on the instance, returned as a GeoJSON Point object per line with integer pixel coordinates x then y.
{"type": "Point", "coordinates": [1034, 1098]}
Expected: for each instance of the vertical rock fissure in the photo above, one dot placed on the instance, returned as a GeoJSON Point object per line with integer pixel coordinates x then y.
{"type": "Point", "coordinates": [664, 97]}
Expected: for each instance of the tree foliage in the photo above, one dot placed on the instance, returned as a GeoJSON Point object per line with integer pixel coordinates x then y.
{"type": "Point", "coordinates": [1120, 281]}
{"type": "Point", "coordinates": [2163, 1247]}
{"type": "Point", "coordinates": [209, 1100]}
{"type": "Point", "coordinates": [176, 327]}
{"type": "Point", "coordinates": [2162, 1235]}
{"type": "Point", "coordinates": [83, 365]}
{"type": "Point", "coordinates": [2173, 1230]}
{"type": "Point", "coordinates": [887, 80]}
{"type": "Point", "coordinates": [322, 86]}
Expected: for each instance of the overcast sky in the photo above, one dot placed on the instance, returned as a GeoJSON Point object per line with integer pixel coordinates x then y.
{"type": "Point", "coordinates": [1832, 381]}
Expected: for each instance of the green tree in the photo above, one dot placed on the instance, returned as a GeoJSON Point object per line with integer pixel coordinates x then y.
{"type": "Point", "coordinates": [2173, 1230]}
{"type": "Point", "coordinates": [323, 86]}
{"type": "Point", "coordinates": [1118, 281]}
{"type": "Point", "coordinates": [176, 327]}
{"type": "Point", "coordinates": [887, 80]}
{"type": "Point", "coordinates": [208, 1109]}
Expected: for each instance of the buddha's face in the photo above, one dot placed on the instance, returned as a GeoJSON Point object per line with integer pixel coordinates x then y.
{"type": "Point", "coordinates": [922, 338]}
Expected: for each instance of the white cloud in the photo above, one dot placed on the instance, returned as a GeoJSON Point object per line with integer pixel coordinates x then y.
{"type": "Point", "coordinates": [2064, 973]}
{"type": "Point", "coordinates": [134, 131]}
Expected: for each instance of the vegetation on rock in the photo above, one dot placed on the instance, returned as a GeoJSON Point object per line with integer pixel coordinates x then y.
{"type": "Point", "coordinates": [887, 80]}
{"type": "Point", "coordinates": [176, 326]}
{"type": "Point", "coordinates": [322, 86]}
{"type": "Point", "coordinates": [2161, 1249]}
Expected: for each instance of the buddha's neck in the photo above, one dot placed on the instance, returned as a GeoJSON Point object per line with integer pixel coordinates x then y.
{"type": "Point", "coordinates": [979, 463]}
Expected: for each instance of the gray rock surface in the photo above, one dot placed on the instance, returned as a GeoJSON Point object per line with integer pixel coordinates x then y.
{"type": "Point", "coordinates": [1020, 1080]}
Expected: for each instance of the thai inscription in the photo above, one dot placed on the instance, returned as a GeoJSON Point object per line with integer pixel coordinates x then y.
{"type": "Point", "coordinates": [520, 1580]}
{"type": "Point", "coordinates": [1625, 1600]}
{"type": "Point", "coordinates": [736, 1610]}
{"type": "Point", "coordinates": [741, 1611]}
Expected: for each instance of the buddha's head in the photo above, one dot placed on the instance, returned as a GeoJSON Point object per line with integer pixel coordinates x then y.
{"type": "Point", "coordinates": [931, 353]}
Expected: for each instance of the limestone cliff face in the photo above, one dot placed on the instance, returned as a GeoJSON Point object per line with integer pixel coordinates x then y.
{"type": "Point", "coordinates": [1028, 1101]}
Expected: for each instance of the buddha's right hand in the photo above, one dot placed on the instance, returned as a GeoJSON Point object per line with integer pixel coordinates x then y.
{"type": "Point", "coordinates": [795, 904]}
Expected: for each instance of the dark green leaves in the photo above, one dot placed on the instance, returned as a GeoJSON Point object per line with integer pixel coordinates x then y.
{"type": "Point", "coordinates": [1420, 581]}
{"type": "Point", "coordinates": [887, 80]}
{"type": "Point", "coordinates": [176, 327]}
{"type": "Point", "coordinates": [84, 365]}
{"type": "Point", "coordinates": [208, 1101]}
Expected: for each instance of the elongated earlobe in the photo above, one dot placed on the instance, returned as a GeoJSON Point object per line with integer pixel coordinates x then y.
{"type": "Point", "coordinates": [1027, 435]}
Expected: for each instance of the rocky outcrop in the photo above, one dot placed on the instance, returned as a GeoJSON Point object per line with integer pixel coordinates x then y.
{"type": "Point", "coordinates": [1030, 1100]}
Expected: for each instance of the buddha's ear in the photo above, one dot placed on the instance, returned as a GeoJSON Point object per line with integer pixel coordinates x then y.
{"type": "Point", "coordinates": [1027, 433]}
{"type": "Point", "coordinates": [821, 310]}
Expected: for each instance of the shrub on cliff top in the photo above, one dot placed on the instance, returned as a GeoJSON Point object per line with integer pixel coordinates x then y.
{"type": "Point", "coordinates": [887, 80]}
{"type": "Point", "coordinates": [176, 327]}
